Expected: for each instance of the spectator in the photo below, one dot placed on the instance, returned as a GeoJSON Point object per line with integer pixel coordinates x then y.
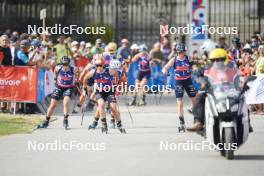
{"type": "Point", "coordinates": [5, 52]}
{"type": "Point", "coordinates": [124, 50]}
{"type": "Point", "coordinates": [97, 49]}
{"type": "Point", "coordinates": [156, 53]}
{"type": "Point", "coordinates": [222, 42]}
{"type": "Point", "coordinates": [22, 57]}
{"type": "Point", "coordinates": [61, 49]}
{"type": "Point", "coordinates": [14, 47]}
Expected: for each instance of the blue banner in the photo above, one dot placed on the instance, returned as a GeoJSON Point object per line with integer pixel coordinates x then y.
{"type": "Point", "coordinates": [41, 86]}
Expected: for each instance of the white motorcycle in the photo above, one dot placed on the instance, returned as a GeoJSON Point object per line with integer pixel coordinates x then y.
{"type": "Point", "coordinates": [226, 113]}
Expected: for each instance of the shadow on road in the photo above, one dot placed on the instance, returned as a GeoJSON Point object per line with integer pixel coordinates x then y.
{"type": "Point", "coordinates": [249, 157]}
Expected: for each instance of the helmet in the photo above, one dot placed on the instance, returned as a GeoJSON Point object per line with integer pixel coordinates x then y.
{"type": "Point", "coordinates": [111, 47]}
{"type": "Point", "coordinates": [98, 59]}
{"type": "Point", "coordinates": [65, 60]}
{"type": "Point", "coordinates": [218, 54]}
{"type": "Point", "coordinates": [181, 47]}
{"type": "Point", "coordinates": [142, 48]}
{"type": "Point", "coordinates": [124, 41]}
{"type": "Point", "coordinates": [207, 46]}
{"type": "Point", "coordinates": [115, 64]}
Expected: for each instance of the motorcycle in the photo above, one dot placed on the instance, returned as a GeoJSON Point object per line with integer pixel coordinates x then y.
{"type": "Point", "coordinates": [226, 113]}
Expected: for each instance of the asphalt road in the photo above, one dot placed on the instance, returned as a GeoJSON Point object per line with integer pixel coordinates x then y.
{"type": "Point", "coordinates": [140, 152]}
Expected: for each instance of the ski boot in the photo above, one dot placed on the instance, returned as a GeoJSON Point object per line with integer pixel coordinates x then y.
{"type": "Point", "coordinates": [120, 128]}
{"type": "Point", "coordinates": [112, 123]}
{"type": "Point", "coordinates": [133, 102]}
{"type": "Point", "coordinates": [104, 128]}
{"type": "Point", "coordinates": [66, 122]}
{"type": "Point", "coordinates": [182, 124]}
{"type": "Point", "coordinates": [93, 125]}
{"type": "Point", "coordinates": [44, 124]}
{"type": "Point", "coordinates": [142, 102]}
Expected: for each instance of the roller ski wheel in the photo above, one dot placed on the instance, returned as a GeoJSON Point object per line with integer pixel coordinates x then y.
{"type": "Point", "coordinates": [122, 130]}
{"type": "Point", "coordinates": [181, 128]}
{"type": "Point", "coordinates": [93, 125]}
{"type": "Point", "coordinates": [66, 124]}
{"type": "Point", "coordinates": [44, 124]}
{"type": "Point", "coordinates": [104, 129]}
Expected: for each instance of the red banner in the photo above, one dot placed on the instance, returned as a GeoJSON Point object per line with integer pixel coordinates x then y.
{"type": "Point", "coordinates": [18, 84]}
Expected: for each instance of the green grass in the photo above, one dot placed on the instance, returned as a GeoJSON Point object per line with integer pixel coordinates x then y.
{"type": "Point", "coordinates": [13, 124]}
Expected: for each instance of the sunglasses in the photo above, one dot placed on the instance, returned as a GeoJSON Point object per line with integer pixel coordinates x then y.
{"type": "Point", "coordinates": [99, 65]}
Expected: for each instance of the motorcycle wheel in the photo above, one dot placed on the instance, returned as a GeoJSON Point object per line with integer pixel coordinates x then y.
{"type": "Point", "coordinates": [229, 140]}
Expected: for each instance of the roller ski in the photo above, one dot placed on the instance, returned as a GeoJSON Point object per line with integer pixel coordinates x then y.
{"type": "Point", "coordinates": [120, 128]}
{"type": "Point", "coordinates": [104, 128]}
{"type": "Point", "coordinates": [182, 124]}
{"type": "Point", "coordinates": [44, 124]}
{"type": "Point", "coordinates": [142, 102]}
{"type": "Point", "coordinates": [66, 123]}
{"type": "Point", "coordinates": [93, 125]}
{"type": "Point", "coordinates": [133, 102]}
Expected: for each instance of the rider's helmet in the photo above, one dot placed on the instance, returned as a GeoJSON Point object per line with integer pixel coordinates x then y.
{"type": "Point", "coordinates": [99, 60]}
{"type": "Point", "coordinates": [65, 60]}
{"type": "Point", "coordinates": [142, 48]}
{"type": "Point", "coordinates": [111, 47]}
{"type": "Point", "coordinates": [218, 55]}
{"type": "Point", "coordinates": [181, 47]}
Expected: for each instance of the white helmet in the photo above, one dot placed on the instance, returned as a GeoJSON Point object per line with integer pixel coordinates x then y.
{"type": "Point", "coordinates": [115, 64]}
{"type": "Point", "coordinates": [207, 46]}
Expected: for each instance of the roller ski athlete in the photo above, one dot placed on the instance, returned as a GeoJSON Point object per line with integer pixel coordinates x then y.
{"type": "Point", "coordinates": [64, 77]}
{"type": "Point", "coordinates": [143, 75]}
{"type": "Point", "coordinates": [103, 87]}
{"type": "Point", "coordinates": [182, 69]}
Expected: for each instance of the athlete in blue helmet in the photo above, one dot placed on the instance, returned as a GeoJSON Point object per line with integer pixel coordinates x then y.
{"type": "Point", "coordinates": [65, 79]}
{"type": "Point", "coordinates": [182, 69]}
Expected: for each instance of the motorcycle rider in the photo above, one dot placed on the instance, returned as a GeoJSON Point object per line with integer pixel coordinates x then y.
{"type": "Point", "coordinates": [218, 57]}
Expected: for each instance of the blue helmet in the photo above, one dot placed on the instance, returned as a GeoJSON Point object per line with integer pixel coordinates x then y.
{"type": "Point", "coordinates": [181, 47]}
{"type": "Point", "coordinates": [36, 43]}
{"type": "Point", "coordinates": [65, 60]}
